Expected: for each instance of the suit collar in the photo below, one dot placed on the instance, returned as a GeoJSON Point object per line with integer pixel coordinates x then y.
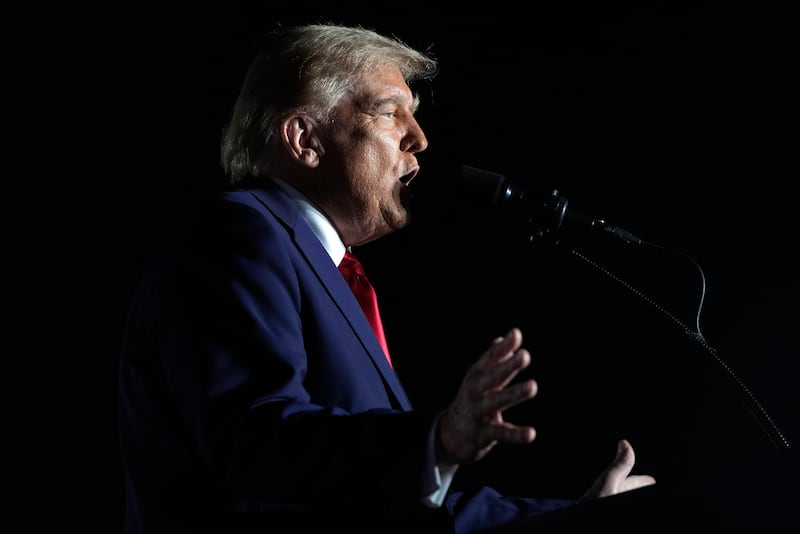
{"type": "Point", "coordinates": [277, 201]}
{"type": "Point", "coordinates": [320, 224]}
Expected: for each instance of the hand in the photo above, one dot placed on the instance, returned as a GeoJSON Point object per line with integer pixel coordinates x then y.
{"type": "Point", "coordinates": [473, 423]}
{"type": "Point", "coordinates": [617, 478]}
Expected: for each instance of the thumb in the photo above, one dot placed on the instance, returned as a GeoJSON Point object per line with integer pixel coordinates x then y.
{"type": "Point", "coordinates": [623, 462]}
{"type": "Point", "coordinates": [619, 471]}
{"type": "Point", "coordinates": [616, 478]}
{"type": "Point", "coordinates": [613, 477]}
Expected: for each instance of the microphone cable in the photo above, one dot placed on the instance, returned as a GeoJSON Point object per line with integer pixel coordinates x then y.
{"type": "Point", "coordinates": [748, 398]}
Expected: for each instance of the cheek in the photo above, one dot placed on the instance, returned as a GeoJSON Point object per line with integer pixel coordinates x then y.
{"type": "Point", "coordinates": [369, 163]}
{"type": "Point", "coordinates": [371, 166]}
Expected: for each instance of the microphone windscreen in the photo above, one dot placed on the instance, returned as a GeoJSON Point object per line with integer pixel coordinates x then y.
{"type": "Point", "coordinates": [482, 186]}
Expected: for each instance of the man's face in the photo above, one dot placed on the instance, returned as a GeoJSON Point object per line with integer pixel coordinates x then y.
{"type": "Point", "coordinates": [369, 157]}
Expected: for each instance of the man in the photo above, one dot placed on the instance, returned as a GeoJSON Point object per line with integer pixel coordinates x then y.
{"type": "Point", "coordinates": [253, 390]}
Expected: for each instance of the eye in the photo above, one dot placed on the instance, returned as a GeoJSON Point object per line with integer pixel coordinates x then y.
{"type": "Point", "coordinates": [389, 108]}
{"type": "Point", "coordinates": [386, 111]}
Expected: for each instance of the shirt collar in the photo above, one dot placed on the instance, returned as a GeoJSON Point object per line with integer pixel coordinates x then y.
{"type": "Point", "coordinates": [318, 221]}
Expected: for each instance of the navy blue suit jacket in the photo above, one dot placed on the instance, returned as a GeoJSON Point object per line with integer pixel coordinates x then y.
{"type": "Point", "coordinates": [251, 385]}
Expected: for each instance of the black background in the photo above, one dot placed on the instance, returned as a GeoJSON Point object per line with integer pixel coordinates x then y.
{"type": "Point", "coordinates": [675, 121]}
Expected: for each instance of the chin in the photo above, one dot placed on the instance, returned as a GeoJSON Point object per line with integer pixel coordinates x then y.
{"type": "Point", "coordinates": [403, 215]}
{"type": "Point", "coordinates": [406, 203]}
{"type": "Point", "coordinates": [400, 220]}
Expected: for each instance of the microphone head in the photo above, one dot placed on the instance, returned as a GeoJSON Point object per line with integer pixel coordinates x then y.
{"type": "Point", "coordinates": [542, 212]}
{"type": "Point", "coordinates": [486, 188]}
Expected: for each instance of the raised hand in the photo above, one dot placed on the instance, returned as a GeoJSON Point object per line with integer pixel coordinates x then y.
{"type": "Point", "coordinates": [473, 422]}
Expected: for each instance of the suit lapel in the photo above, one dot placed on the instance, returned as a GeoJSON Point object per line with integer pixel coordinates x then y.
{"type": "Point", "coordinates": [309, 246]}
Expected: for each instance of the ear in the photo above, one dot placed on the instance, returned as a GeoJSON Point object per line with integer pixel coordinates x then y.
{"type": "Point", "coordinates": [301, 138]}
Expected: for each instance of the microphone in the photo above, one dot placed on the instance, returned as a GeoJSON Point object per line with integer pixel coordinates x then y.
{"type": "Point", "coordinates": [549, 213]}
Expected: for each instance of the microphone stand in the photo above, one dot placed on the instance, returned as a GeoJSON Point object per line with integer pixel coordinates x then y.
{"type": "Point", "coordinates": [751, 403]}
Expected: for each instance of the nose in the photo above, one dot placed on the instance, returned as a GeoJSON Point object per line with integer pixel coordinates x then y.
{"type": "Point", "coordinates": [414, 140]}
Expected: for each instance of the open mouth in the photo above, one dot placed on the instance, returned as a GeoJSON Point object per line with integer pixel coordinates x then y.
{"type": "Point", "coordinates": [406, 180]}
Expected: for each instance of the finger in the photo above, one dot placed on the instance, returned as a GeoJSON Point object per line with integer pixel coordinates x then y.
{"type": "Point", "coordinates": [510, 343]}
{"type": "Point", "coordinates": [508, 433]}
{"type": "Point", "coordinates": [501, 375]}
{"type": "Point", "coordinates": [498, 376]}
{"type": "Point", "coordinates": [637, 481]}
{"type": "Point", "coordinates": [501, 349]}
{"type": "Point", "coordinates": [504, 399]}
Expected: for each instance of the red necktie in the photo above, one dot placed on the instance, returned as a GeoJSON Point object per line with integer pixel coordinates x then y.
{"type": "Point", "coordinates": [353, 272]}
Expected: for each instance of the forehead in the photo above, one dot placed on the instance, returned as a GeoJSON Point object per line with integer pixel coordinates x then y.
{"type": "Point", "coordinates": [384, 83]}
